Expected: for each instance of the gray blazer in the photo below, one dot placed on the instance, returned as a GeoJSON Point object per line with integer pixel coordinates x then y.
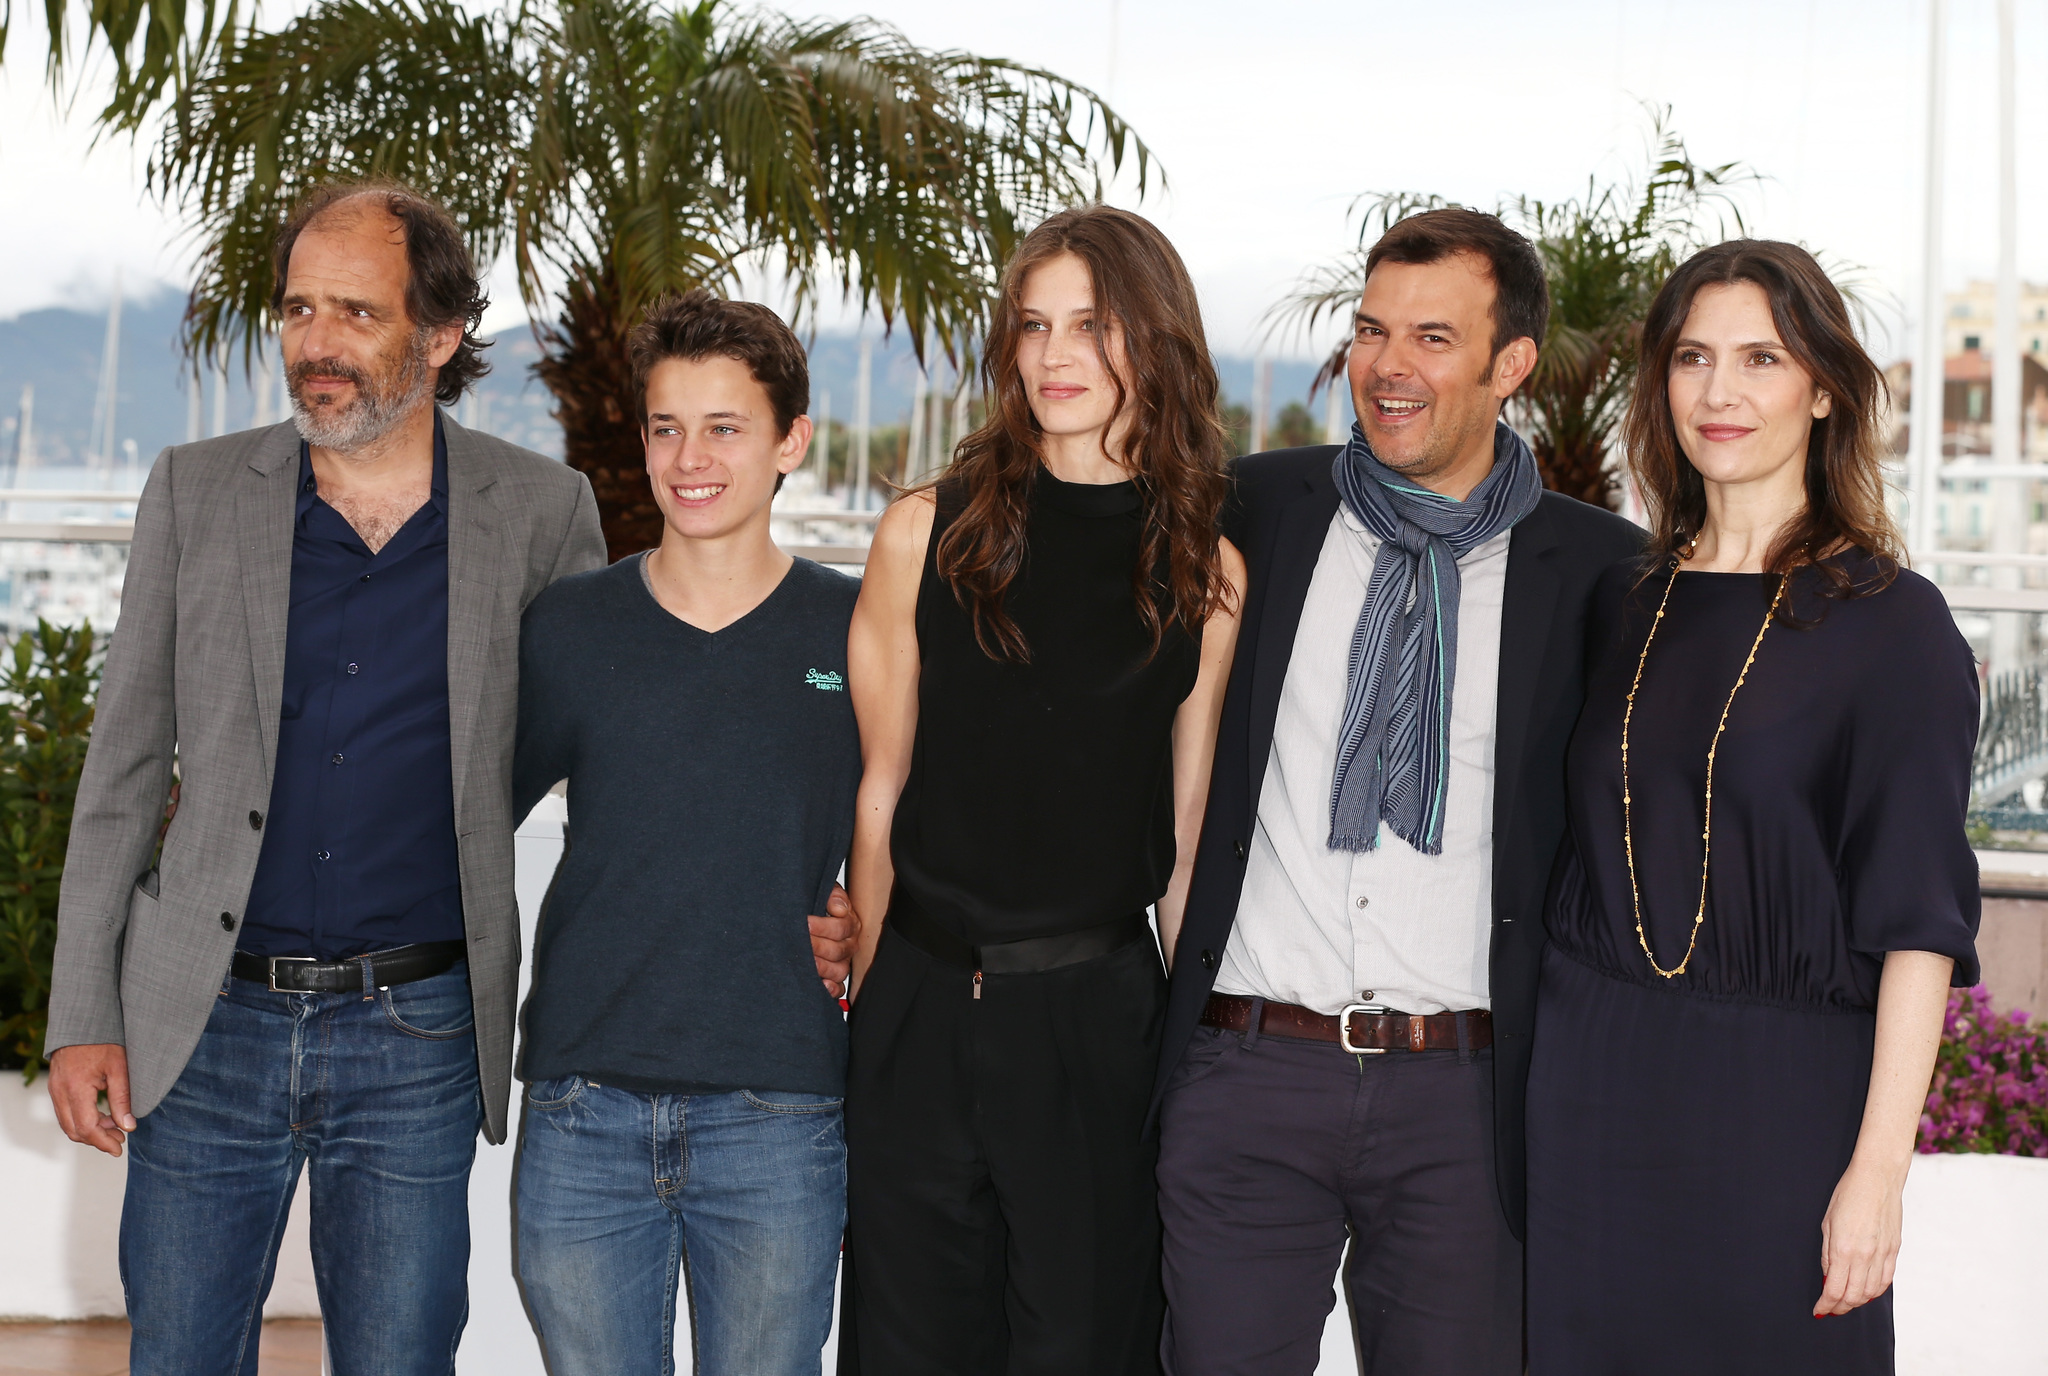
{"type": "Point", "coordinates": [195, 676]}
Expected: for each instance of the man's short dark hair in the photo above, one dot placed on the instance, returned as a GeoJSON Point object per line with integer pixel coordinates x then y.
{"type": "Point", "coordinates": [698, 325]}
{"type": "Point", "coordinates": [441, 284]}
{"type": "Point", "coordinates": [1521, 297]}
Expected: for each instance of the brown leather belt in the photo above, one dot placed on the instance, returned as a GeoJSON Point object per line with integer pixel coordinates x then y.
{"type": "Point", "coordinates": [1362, 1028]}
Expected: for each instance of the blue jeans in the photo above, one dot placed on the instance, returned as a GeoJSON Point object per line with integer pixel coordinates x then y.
{"type": "Point", "coordinates": [379, 1095]}
{"type": "Point", "coordinates": [744, 1194]}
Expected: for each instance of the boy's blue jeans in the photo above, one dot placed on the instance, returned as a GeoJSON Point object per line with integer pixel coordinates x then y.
{"type": "Point", "coordinates": [620, 1194]}
{"type": "Point", "coordinates": [377, 1097]}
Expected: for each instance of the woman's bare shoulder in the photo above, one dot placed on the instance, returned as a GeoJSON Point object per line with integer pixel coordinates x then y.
{"type": "Point", "coordinates": [902, 534]}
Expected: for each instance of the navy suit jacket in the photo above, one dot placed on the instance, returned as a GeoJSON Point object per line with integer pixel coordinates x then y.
{"type": "Point", "coordinates": [1278, 514]}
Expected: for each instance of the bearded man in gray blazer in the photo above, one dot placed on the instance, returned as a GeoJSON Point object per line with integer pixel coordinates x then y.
{"type": "Point", "coordinates": [316, 960]}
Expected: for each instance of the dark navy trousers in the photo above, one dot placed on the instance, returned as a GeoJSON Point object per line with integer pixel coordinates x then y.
{"type": "Point", "coordinates": [1274, 1150]}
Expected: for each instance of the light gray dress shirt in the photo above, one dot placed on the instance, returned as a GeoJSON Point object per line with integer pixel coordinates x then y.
{"type": "Point", "coordinates": [1322, 928]}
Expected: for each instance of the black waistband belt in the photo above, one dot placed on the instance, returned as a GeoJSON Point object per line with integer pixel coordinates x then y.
{"type": "Point", "coordinates": [377, 969]}
{"type": "Point", "coordinates": [1027, 957]}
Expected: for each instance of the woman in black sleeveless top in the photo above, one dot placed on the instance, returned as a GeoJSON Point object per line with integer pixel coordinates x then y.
{"type": "Point", "coordinates": [1037, 664]}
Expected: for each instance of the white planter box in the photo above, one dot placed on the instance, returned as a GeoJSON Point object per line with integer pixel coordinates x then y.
{"type": "Point", "coordinates": [61, 1257]}
{"type": "Point", "coordinates": [1974, 1268]}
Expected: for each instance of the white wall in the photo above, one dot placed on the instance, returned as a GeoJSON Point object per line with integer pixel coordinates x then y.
{"type": "Point", "coordinates": [1970, 1280]}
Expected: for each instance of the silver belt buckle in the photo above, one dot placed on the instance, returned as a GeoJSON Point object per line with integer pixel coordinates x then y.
{"type": "Point", "coordinates": [1344, 1028]}
{"type": "Point", "coordinates": [304, 960]}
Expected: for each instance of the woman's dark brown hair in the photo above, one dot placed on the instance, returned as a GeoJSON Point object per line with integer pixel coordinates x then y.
{"type": "Point", "coordinates": [1845, 506]}
{"type": "Point", "coordinates": [1174, 451]}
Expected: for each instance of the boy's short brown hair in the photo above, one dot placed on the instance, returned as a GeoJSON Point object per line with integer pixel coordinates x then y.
{"type": "Point", "coordinates": [698, 324]}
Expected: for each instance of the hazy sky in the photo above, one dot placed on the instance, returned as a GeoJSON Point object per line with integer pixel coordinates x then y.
{"type": "Point", "coordinates": [1270, 117]}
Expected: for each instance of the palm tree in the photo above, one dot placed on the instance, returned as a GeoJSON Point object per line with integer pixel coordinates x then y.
{"type": "Point", "coordinates": [1604, 255]}
{"type": "Point", "coordinates": [620, 149]}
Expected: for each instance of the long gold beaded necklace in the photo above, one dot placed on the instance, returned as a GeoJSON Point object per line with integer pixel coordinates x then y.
{"type": "Point", "coordinates": [1706, 835]}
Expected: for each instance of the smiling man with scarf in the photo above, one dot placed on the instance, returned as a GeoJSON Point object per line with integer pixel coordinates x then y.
{"type": "Point", "coordinates": [1347, 1041]}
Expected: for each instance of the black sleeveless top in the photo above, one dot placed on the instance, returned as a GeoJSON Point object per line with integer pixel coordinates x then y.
{"type": "Point", "coordinates": [1040, 796]}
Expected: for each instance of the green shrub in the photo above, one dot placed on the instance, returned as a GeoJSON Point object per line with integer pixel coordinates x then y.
{"type": "Point", "coordinates": [47, 686]}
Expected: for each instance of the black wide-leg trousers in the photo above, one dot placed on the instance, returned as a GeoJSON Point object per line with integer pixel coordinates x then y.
{"type": "Point", "coordinates": [1002, 1212]}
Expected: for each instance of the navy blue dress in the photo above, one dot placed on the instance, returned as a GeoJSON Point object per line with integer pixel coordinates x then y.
{"type": "Point", "coordinates": [1685, 1135]}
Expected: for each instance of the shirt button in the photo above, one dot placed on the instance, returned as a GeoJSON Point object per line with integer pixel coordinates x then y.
{"type": "Point", "coordinates": [335, 758]}
{"type": "Point", "coordinates": [1363, 900]}
{"type": "Point", "coordinates": [322, 855]}
{"type": "Point", "coordinates": [255, 821]}
{"type": "Point", "coordinates": [353, 667]}
{"type": "Point", "coordinates": [366, 578]}
{"type": "Point", "coordinates": [227, 922]}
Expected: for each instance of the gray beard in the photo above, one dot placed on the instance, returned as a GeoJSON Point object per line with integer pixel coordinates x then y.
{"type": "Point", "coordinates": [380, 403]}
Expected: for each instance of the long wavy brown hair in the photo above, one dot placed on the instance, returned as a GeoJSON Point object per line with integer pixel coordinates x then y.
{"type": "Point", "coordinates": [1845, 505]}
{"type": "Point", "coordinates": [1175, 445]}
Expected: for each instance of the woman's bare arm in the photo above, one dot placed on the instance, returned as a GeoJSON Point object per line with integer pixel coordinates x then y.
{"type": "Point", "coordinates": [1859, 1237]}
{"type": "Point", "coordinates": [882, 664]}
{"type": "Point", "coordinates": [1194, 745]}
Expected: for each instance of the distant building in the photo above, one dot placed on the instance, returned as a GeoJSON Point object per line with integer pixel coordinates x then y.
{"type": "Point", "coordinates": [1971, 313]}
{"type": "Point", "coordinates": [1963, 517]}
{"type": "Point", "coordinates": [1966, 406]}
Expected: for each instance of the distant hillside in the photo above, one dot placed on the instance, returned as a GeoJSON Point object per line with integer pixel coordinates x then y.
{"type": "Point", "coordinates": [58, 352]}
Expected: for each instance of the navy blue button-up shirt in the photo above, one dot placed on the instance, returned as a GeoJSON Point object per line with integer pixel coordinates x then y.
{"type": "Point", "coordinates": [359, 844]}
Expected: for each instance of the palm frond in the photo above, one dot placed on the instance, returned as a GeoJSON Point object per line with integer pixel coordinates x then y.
{"type": "Point", "coordinates": [158, 47]}
{"type": "Point", "coordinates": [415, 89]}
{"type": "Point", "coordinates": [1331, 290]}
{"type": "Point", "coordinates": [625, 148]}
{"type": "Point", "coordinates": [1605, 254]}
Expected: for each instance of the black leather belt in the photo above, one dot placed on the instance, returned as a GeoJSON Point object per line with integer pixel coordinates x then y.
{"type": "Point", "coordinates": [377, 969]}
{"type": "Point", "coordinates": [1031, 956]}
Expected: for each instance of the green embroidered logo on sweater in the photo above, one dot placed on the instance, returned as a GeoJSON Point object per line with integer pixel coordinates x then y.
{"type": "Point", "coordinates": [825, 680]}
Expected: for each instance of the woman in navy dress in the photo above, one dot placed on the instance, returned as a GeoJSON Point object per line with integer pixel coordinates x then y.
{"type": "Point", "coordinates": [1767, 889]}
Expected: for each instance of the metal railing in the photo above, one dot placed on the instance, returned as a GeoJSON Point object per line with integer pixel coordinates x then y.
{"type": "Point", "coordinates": [2012, 738]}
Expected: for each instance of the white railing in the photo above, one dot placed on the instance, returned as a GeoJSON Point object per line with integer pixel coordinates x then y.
{"type": "Point", "coordinates": [68, 496]}
{"type": "Point", "coordinates": [814, 535]}
{"type": "Point", "coordinates": [1980, 598]}
{"type": "Point", "coordinates": [809, 531]}
{"type": "Point", "coordinates": [114, 531]}
{"type": "Point", "coordinates": [830, 535]}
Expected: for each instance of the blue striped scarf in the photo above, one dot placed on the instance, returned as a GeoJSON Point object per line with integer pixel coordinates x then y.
{"type": "Point", "coordinates": [1393, 757]}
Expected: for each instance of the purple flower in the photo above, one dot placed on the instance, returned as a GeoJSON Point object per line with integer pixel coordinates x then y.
{"type": "Point", "coordinates": [1989, 1094]}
